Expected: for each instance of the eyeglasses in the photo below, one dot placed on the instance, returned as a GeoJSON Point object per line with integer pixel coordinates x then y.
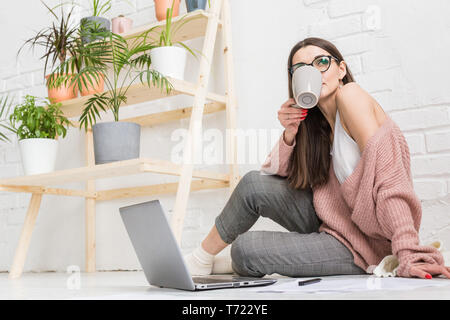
{"type": "Point", "coordinates": [321, 63]}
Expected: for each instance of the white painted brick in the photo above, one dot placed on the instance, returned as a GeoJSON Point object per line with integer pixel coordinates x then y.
{"type": "Point", "coordinates": [436, 165]}
{"type": "Point", "coordinates": [379, 80]}
{"type": "Point", "coordinates": [12, 155]}
{"type": "Point", "coordinates": [353, 44]}
{"type": "Point", "coordinates": [37, 90]}
{"type": "Point", "coordinates": [311, 2]}
{"type": "Point", "coordinates": [143, 4]}
{"type": "Point", "coordinates": [338, 8]}
{"type": "Point", "coordinates": [143, 17]}
{"type": "Point", "coordinates": [7, 200]}
{"type": "Point", "coordinates": [9, 170]}
{"type": "Point", "coordinates": [354, 64]}
{"type": "Point", "coordinates": [438, 141]}
{"type": "Point", "coordinates": [16, 216]}
{"type": "Point", "coordinates": [435, 217]}
{"type": "Point", "coordinates": [5, 261]}
{"type": "Point", "coordinates": [19, 82]}
{"type": "Point", "coordinates": [23, 199]}
{"type": "Point", "coordinates": [191, 239]}
{"type": "Point", "coordinates": [193, 219]}
{"type": "Point", "coordinates": [430, 188]}
{"type": "Point", "coordinates": [337, 28]}
{"type": "Point", "coordinates": [379, 59]}
{"type": "Point", "coordinates": [416, 143]}
{"type": "Point", "coordinates": [372, 19]}
{"type": "Point", "coordinates": [122, 7]}
{"type": "Point", "coordinates": [3, 227]}
{"type": "Point", "coordinates": [38, 78]}
{"type": "Point", "coordinates": [421, 118]}
{"type": "Point", "coordinates": [7, 72]}
{"type": "Point", "coordinates": [384, 99]}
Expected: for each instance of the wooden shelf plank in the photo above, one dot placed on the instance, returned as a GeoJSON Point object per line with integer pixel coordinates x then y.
{"type": "Point", "coordinates": [151, 190]}
{"type": "Point", "coordinates": [138, 93]}
{"type": "Point", "coordinates": [108, 170]}
{"type": "Point", "coordinates": [52, 191]}
{"type": "Point", "coordinates": [167, 116]}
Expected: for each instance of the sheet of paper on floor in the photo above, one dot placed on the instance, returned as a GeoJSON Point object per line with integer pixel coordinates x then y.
{"type": "Point", "coordinates": [350, 285]}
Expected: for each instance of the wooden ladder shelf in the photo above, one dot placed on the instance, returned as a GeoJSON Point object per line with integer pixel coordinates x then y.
{"type": "Point", "coordinates": [201, 24]}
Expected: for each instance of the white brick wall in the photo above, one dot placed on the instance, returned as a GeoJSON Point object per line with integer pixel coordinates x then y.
{"type": "Point", "coordinates": [389, 54]}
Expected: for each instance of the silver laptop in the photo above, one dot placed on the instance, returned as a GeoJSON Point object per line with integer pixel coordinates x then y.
{"type": "Point", "coordinates": [160, 256]}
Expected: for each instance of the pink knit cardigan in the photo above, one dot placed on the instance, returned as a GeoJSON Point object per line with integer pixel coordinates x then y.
{"type": "Point", "coordinates": [375, 211]}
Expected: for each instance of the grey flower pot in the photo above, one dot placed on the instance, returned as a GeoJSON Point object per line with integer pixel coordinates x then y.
{"type": "Point", "coordinates": [116, 141]}
{"type": "Point", "coordinates": [99, 23]}
{"type": "Point", "coordinates": [192, 5]}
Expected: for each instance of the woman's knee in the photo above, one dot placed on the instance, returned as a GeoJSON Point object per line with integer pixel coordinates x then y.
{"type": "Point", "coordinates": [250, 177]}
{"type": "Point", "coordinates": [248, 187]}
{"type": "Point", "coordinates": [243, 257]}
{"type": "Point", "coordinates": [252, 187]}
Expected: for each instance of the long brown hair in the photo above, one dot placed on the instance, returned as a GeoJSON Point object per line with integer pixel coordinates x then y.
{"type": "Point", "coordinates": [310, 162]}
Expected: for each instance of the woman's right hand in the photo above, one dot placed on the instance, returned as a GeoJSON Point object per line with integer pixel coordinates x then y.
{"type": "Point", "coordinates": [290, 117]}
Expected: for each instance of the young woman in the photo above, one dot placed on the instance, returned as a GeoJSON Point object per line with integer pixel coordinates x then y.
{"type": "Point", "coordinates": [286, 196]}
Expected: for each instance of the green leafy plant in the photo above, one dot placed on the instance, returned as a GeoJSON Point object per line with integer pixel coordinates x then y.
{"type": "Point", "coordinates": [29, 120]}
{"type": "Point", "coordinates": [5, 107]}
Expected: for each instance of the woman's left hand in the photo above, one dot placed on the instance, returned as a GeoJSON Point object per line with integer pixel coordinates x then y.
{"type": "Point", "coordinates": [427, 270]}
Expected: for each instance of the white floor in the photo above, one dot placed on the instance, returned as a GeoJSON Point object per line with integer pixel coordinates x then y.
{"type": "Point", "coordinates": [133, 285]}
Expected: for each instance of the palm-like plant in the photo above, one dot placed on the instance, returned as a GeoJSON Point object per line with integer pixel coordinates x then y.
{"type": "Point", "coordinates": [87, 59]}
{"type": "Point", "coordinates": [5, 107]}
{"type": "Point", "coordinates": [100, 7]}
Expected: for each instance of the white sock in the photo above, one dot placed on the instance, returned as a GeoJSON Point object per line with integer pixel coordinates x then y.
{"type": "Point", "coordinates": [199, 262]}
{"type": "Point", "coordinates": [222, 264]}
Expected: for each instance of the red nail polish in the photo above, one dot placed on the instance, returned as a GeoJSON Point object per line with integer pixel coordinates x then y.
{"type": "Point", "coordinates": [428, 276]}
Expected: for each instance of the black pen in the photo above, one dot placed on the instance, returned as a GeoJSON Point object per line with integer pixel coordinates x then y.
{"type": "Point", "coordinates": [303, 283]}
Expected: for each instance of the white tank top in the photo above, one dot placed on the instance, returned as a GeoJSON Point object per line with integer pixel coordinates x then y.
{"type": "Point", "coordinates": [345, 152]}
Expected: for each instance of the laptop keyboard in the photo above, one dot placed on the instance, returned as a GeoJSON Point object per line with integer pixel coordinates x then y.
{"type": "Point", "coordinates": [210, 280]}
{"type": "Point", "coordinates": [206, 280]}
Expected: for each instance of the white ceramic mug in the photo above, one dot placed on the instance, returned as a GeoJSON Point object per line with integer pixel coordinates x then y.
{"type": "Point", "coordinates": [306, 86]}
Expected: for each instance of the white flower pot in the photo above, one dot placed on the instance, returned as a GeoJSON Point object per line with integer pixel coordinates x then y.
{"type": "Point", "coordinates": [38, 155]}
{"type": "Point", "coordinates": [170, 61]}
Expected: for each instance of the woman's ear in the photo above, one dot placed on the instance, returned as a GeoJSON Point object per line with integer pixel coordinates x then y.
{"type": "Point", "coordinates": [342, 70]}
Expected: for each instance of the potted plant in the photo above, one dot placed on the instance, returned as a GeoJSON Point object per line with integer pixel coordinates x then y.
{"type": "Point", "coordinates": [161, 7]}
{"type": "Point", "coordinates": [96, 21]}
{"type": "Point", "coordinates": [57, 41]}
{"type": "Point", "coordinates": [192, 5]}
{"type": "Point", "coordinates": [83, 56]}
{"type": "Point", "coordinates": [37, 128]}
{"type": "Point", "coordinates": [129, 62]}
{"type": "Point", "coordinates": [167, 58]}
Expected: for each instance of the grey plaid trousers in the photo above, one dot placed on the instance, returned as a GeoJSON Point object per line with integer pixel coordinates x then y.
{"type": "Point", "coordinates": [302, 251]}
